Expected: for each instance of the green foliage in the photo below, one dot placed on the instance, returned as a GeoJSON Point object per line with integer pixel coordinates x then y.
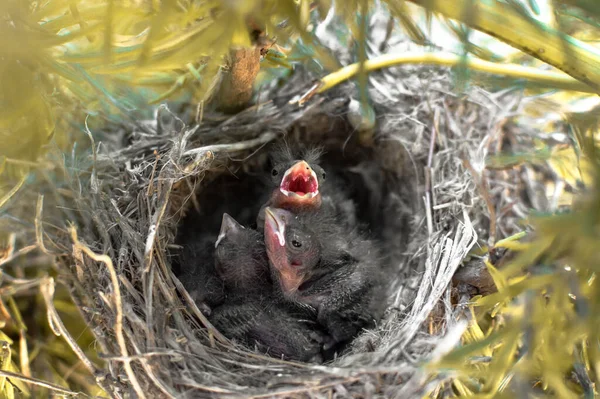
{"type": "Point", "coordinates": [61, 60]}
{"type": "Point", "coordinates": [538, 335]}
{"type": "Point", "coordinates": [28, 345]}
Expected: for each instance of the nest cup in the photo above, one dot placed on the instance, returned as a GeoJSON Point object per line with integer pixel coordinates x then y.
{"type": "Point", "coordinates": [377, 177]}
{"type": "Point", "coordinates": [155, 181]}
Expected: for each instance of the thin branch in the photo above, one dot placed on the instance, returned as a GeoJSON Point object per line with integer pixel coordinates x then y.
{"type": "Point", "coordinates": [12, 191]}
{"type": "Point", "coordinates": [211, 329]}
{"type": "Point", "coordinates": [10, 253]}
{"type": "Point", "coordinates": [428, 173]}
{"type": "Point", "coordinates": [149, 370]}
{"type": "Point", "coordinates": [39, 230]}
{"type": "Point", "coordinates": [553, 79]}
{"type": "Point", "coordinates": [141, 356]}
{"type": "Point", "coordinates": [482, 185]}
{"type": "Point", "coordinates": [238, 146]}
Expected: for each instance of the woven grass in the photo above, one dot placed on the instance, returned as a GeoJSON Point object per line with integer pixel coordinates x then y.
{"type": "Point", "coordinates": [113, 230]}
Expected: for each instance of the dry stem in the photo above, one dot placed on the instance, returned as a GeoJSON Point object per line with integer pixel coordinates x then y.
{"type": "Point", "coordinates": [118, 307]}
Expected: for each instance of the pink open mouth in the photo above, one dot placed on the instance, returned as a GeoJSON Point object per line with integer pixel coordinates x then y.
{"type": "Point", "coordinates": [300, 181]}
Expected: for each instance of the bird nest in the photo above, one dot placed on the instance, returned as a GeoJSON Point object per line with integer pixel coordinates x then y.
{"type": "Point", "coordinates": [153, 182]}
{"type": "Point", "coordinates": [150, 183]}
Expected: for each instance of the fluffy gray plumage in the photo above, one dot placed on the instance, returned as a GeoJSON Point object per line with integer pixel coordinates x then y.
{"type": "Point", "coordinates": [250, 313]}
{"type": "Point", "coordinates": [339, 271]}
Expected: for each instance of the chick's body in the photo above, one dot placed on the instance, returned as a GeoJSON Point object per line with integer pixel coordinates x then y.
{"type": "Point", "coordinates": [241, 260]}
{"type": "Point", "coordinates": [199, 276]}
{"type": "Point", "coordinates": [316, 261]}
{"type": "Point", "coordinates": [250, 312]}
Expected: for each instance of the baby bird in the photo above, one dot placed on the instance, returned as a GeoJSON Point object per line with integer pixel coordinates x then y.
{"type": "Point", "coordinates": [298, 186]}
{"type": "Point", "coordinates": [199, 276]}
{"type": "Point", "coordinates": [250, 312]}
{"type": "Point", "coordinates": [241, 260]}
{"type": "Point", "coordinates": [295, 183]}
{"type": "Point", "coordinates": [315, 261]}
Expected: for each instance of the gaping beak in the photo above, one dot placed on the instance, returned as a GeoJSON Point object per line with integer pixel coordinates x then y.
{"type": "Point", "coordinates": [300, 181]}
{"type": "Point", "coordinates": [275, 224]}
{"type": "Point", "coordinates": [228, 226]}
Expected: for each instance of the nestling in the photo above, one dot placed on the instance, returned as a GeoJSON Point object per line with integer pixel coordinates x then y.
{"type": "Point", "coordinates": [315, 261]}
{"type": "Point", "coordinates": [241, 260]}
{"type": "Point", "coordinates": [251, 313]}
{"type": "Point", "coordinates": [199, 276]}
{"type": "Point", "coordinates": [299, 186]}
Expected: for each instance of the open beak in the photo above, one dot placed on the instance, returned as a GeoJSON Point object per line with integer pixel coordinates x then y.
{"type": "Point", "coordinates": [275, 223]}
{"type": "Point", "coordinates": [300, 181]}
{"type": "Point", "coordinates": [228, 226]}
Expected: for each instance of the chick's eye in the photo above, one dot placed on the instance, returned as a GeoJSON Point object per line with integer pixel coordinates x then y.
{"type": "Point", "coordinates": [323, 175]}
{"type": "Point", "coordinates": [274, 172]}
{"type": "Point", "coordinates": [296, 243]}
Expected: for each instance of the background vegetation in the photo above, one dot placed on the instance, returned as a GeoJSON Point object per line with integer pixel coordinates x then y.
{"type": "Point", "coordinates": [68, 64]}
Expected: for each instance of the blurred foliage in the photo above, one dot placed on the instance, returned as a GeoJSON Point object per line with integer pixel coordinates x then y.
{"type": "Point", "coordinates": [63, 60]}
{"type": "Point", "coordinates": [28, 345]}
{"type": "Point", "coordinates": [538, 335]}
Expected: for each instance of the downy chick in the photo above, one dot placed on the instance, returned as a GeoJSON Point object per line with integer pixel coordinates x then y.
{"type": "Point", "coordinates": [299, 185]}
{"type": "Point", "coordinates": [199, 276]}
{"type": "Point", "coordinates": [315, 261]}
{"type": "Point", "coordinates": [241, 260]}
{"type": "Point", "coordinates": [250, 313]}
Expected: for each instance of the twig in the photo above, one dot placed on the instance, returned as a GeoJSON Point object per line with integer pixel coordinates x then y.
{"type": "Point", "coordinates": [198, 313]}
{"type": "Point", "coordinates": [39, 231]}
{"type": "Point", "coordinates": [428, 174]}
{"type": "Point", "coordinates": [151, 182]}
{"type": "Point", "coordinates": [141, 356]}
{"type": "Point", "coordinates": [239, 146]}
{"type": "Point", "coordinates": [10, 253]}
{"type": "Point", "coordinates": [163, 200]}
{"type": "Point", "coordinates": [18, 285]}
{"type": "Point", "coordinates": [12, 191]}
{"type": "Point", "coordinates": [155, 225]}
{"type": "Point", "coordinates": [316, 88]}
{"type": "Point", "coordinates": [169, 285]}
{"type": "Point", "coordinates": [144, 362]}
{"type": "Point", "coordinates": [118, 308]}
{"type": "Point", "coordinates": [554, 79]}
{"type": "Point", "coordinates": [94, 184]}
{"type": "Point", "coordinates": [199, 113]}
